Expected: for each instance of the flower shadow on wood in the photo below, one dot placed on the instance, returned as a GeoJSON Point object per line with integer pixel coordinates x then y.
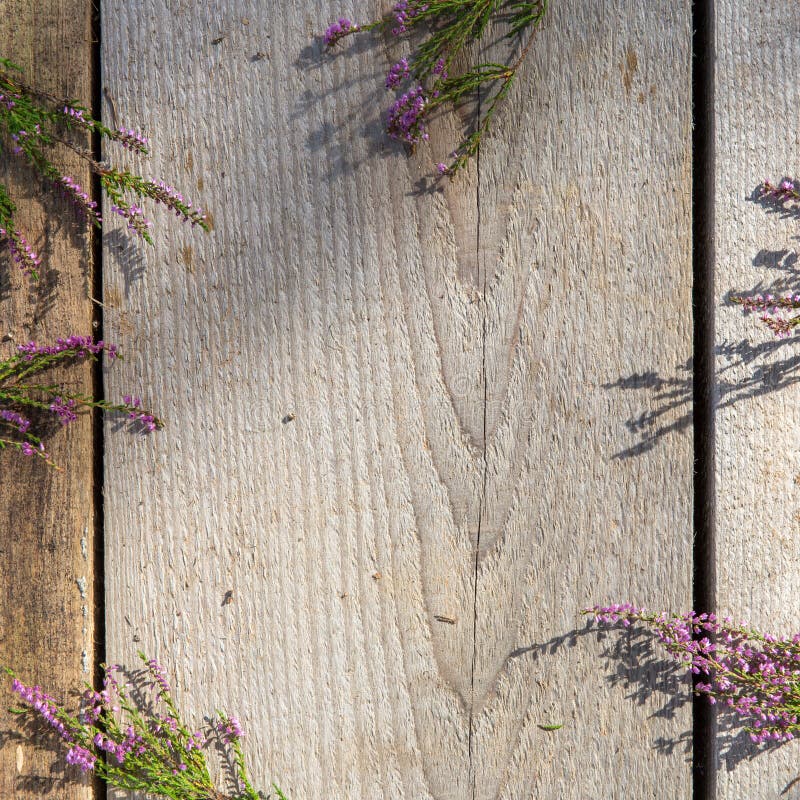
{"type": "Point", "coordinates": [127, 253]}
{"type": "Point", "coordinates": [745, 370]}
{"type": "Point", "coordinates": [334, 138]}
{"type": "Point", "coordinates": [48, 781]}
{"type": "Point", "coordinates": [637, 666]}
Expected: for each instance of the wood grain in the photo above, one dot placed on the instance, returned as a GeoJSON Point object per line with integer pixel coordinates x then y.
{"type": "Point", "coordinates": [758, 461]}
{"type": "Point", "coordinates": [47, 517]}
{"type": "Point", "coordinates": [413, 429]}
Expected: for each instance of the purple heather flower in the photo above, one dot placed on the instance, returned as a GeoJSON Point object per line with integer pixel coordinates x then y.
{"type": "Point", "coordinates": [41, 703]}
{"type": "Point", "coordinates": [769, 308]}
{"type": "Point", "coordinates": [135, 218]}
{"type": "Point", "coordinates": [405, 120]}
{"type": "Point", "coordinates": [83, 345]}
{"type": "Point", "coordinates": [170, 197]}
{"type": "Point", "coordinates": [64, 410]}
{"type": "Point", "coordinates": [397, 73]}
{"type": "Point", "coordinates": [81, 757]}
{"type": "Point", "coordinates": [755, 676]}
{"type": "Point", "coordinates": [132, 140]}
{"type": "Point", "coordinates": [80, 198]}
{"type": "Point", "coordinates": [147, 423]}
{"type": "Point", "coordinates": [21, 251]}
{"type": "Point", "coordinates": [229, 729]}
{"type": "Point", "coordinates": [156, 670]}
{"type": "Point", "coordinates": [22, 423]}
{"type": "Point", "coordinates": [338, 30]}
{"type": "Point", "coordinates": [196, 741]}
{"type": "Point", "coordinates": [29, 450]}
{"type": "Point", "coordinates": [404, 11]}
{"type": "Point", "coordinates": [74, 113]}
{"type": "Point", "coordinates": [785, 190]}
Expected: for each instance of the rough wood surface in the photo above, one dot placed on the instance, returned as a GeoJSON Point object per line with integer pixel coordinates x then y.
{"type": "Point", "coordinates": [46, 517]}
{"type": "Point", "coordinates": [414, 432]}
{"type": "Point", "coordinates": [758, 444]}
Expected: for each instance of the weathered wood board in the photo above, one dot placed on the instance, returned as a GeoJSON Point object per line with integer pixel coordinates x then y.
{"type": "Point", "coordinates": [47, 517]}
{"type": "Point", "coordinates": [414, 432]}
{"type": "Point", "coordinates": [758, 439]}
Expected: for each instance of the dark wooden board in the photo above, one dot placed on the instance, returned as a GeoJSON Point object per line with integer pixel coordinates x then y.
{"type": "Point", "coordinates": [47, 516]}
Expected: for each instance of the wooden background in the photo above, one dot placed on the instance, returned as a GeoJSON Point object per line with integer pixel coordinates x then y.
{"type": "Point", "coordinates": [415, 429]}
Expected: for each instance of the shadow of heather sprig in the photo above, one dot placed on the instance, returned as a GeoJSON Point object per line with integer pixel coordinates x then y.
{"type": "Point", "coordinates": [772, 363]}
{"type": "Point", "coordinates": [127, 255]}
{"type": "Point", "coordinates": [636, 664]}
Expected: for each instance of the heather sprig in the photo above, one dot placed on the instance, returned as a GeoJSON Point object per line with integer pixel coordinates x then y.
{"type": "Point", "coordinates": [439, 32]}
{"type": "Point", "coordinates": [775, 312]}
{"type": "Point", "coordinates": [772, 311]}
{"type": "Point", "coordinates": [35, 126]}
{"type": "Point", "coordinates": [141, 746]}
{"type": "Point", "coordinates": [26, 398]}
{"type": "Point", "coordinates": [755, 675]}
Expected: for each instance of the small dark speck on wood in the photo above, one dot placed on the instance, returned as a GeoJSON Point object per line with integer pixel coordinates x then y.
{"type": "Point", "coordinates": [228, 599]}
{"type": "Point", "coordinates": [443, 618]}
{"type": "Point", "coordinates": [288, 418]}
{"type": "Point", "coordinates": [219, 38]}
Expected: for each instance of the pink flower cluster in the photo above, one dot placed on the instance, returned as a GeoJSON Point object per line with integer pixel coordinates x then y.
{"type": "Point", "coordinates": [132, 140]}
{"type": "Point", "coordinates": [405, 120]}
{"type": "Point", "coordinates": [397, 73]}
{"type": "Point", "coordinates": [785, 190]}
{"type": "Point", "coordinates": [22, 423]}
{"type": "Point", "coordinates": [196, 741]}
{"type": "Point", "coordinates": [229, 729]}
{"type": "Point", "coordinates": [175, 201]}
{"type": "Point", "coordinates": [75, 114]}
{"type": "Point", "coordinates": [81, 757]}
{"type": "Point", "coordinates": [132, 743]}
{"type": "Point", "coordinates": [756, 676]}
{"type": "Point", "coordinates": [158, 673]}
{"type": "Point", "coordinates": [95, 702]}
{"type": "Point", "coordinates": [148, 423]}
{"type": "Point", "coordinates": [44, 705]}
{"type": "Point", "coordinates": [338, 30]}
{"type": "Point", "coordinates": [770, 307]}
{"type": "Point", "coordinates": [134, 216]}
{"type": "Point", "coordinates": [133, 738]}
{"type": "Point", "coordinates": [64, 410]}
{"type": "Point", "coordinates": [22, 253]}
{"type": "Point", "coordinates": [404, 11]}
{"type": "Point", "coordinates": [83, 345]}
{"type": "Point", "coordinates": [81, 198]}
{"type": "Point", "coordinates": [30, 450]}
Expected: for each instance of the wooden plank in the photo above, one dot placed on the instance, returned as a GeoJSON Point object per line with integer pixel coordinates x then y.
{"type": "Point", "coordinates": [586, 283]}
{"type": "Point", "coordinates": [758, 472]}
{"type": "Point", "coordinates": [396, 420]}
{"type": "Point", "coordinates": [47, 517]}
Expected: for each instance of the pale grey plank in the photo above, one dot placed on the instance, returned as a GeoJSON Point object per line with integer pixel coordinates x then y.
{"type": "Point", "coordinates": [586, 252]}
{"type": "Point", "coordinates": [453, 364]}
{"type": "Point", "coordinates": [758, 447]}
